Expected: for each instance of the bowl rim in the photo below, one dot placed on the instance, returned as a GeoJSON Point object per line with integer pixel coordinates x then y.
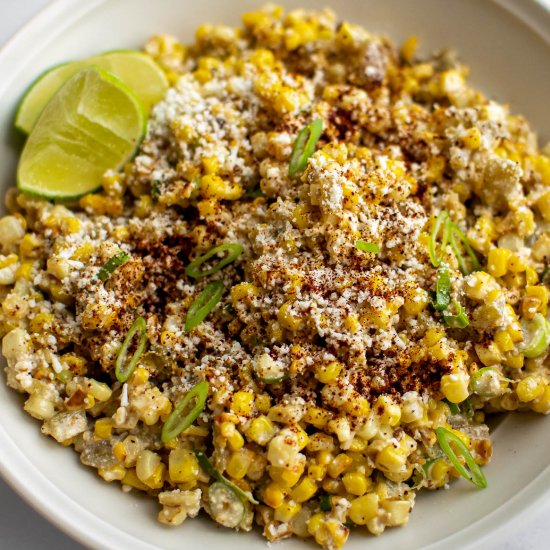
{"type": "Point", "coordinates": [93, 532]}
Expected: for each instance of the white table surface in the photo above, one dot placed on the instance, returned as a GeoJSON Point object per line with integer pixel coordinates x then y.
{"type": "Point", "coordinates": [21, 528]}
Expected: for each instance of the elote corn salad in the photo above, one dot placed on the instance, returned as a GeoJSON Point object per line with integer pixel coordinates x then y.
{"type": "Point", "coordinates": [296, 306]}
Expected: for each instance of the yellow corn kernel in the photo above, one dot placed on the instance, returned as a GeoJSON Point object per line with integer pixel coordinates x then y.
{"type": "Point", "coordinates": [243, 291]}
{"type": "Point", "coordinates": [352, 323]}
{"type": "Point", "coordinates": [261, 430]}
{"type": "Point", "coordinates": [317, 417]}
{"type": "Point", "coordinates": [25, 271]}
{"type": "Point", "coordinates": [455, 387]}
{"type": "Point", "coordinates": [235, 441]}
{"type": "Point", "coordinates": [504, 341]}
{"type": "Point", "coordinates": [140, 376]}
{"type": "Point", "coordinates": [497, 261]}
{"type": "Point", "coordinates": [328, 373]}
{"type": "Point", "coordinates": [472, 139]}
{"type": "Point", "coordinates": [543, 204]}
{"type": "Point", "coordinates": [355, 483]}
{"type": "Point", "coordinates": [320, 442]}
{"type": "Point", "coordinates": [30, 245]}
{"type": "Point", "coordinates": [339, 465]}
{"type": "Point", "coordinates": [84, 252]}
{"type": "Point", "coordinates": [532, 277]}
{"type": "Point", "coordinates": [239, 463]}
{"type": "Point", "coordinates": [183, 466]}
{"type": "Point", "coordinates": [535, 300]}
{"type": "Point", "coordinates": [112, 473]}
{"type": "Point", "coordinates": [488, 353]}
{"type": "Point", "coordinates": [364, 508]}
{"type": "Point", "coordinates": [516, 263]}
{"type": "Point", "coordinates": [101, 205]}
{"type": "Point", "coordinates": [304, 490]}
{"type": "Point", "coordinates": [132, 480]}
{"type": "Point", "coordinates": [210, 165]}
{"type": "Point", "coordinates": [287, 510]}
{"type": "Point", "coordinates": [143, 206]}
{"type": "Point", "coordinates": [70, 225]}
{"type": "Point", "coordinates": [514, 361]}
{"type": "Point", "coordinates": [433, 336]}
{"type": "Point", "coordinates": [541, 404]}
{"type": "Point", "coordinates": [103, 428]}
{"type": "Point", "coordinates": [416, 301]}
{"type": "Point", "coordinates": [408, 48]}
{"type": "Point", "coordinates": [242, 403]}
{"type": "Point", "coordinates": [119, 451]}
{"type": "Point", "coordinates": [215, 187]}
{"type": "Point", "coordinates": [530, 388]}
{"type": "Point", "coordinates": [41, 322]}
{"type": "Point", "coordinates": [262, 59]}
{"type": "Point", "coordinates": [287, 319]}
{"type": "Point", "coordinates": [391, 459]}
{"type": "Point", "coordinates": [439, 472]}
{"type": "Point", "coordinates": [273, 495]}
{"type": "Point", "coordinates": [317, 472]}
{"type": "Point", "coordinates": [388, 410]}
{"type": "Point", "coordinates": [263, 402]}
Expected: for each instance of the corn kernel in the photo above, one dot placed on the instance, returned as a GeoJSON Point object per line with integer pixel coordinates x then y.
{"type": "Point", "coordinates": [391, 459]}
{"type": "Point", "coordinates": [328, 373]}
{"type": "Point", "coordinates": [103, 428]}
{"type": "Point", "coordinates": [304, 490]}
{"type": "Point", "coordinates": [355, 483]}
{"type": "Point", "coordinates": [242, 403]}
{"type": "Point", "coordinates": [183, 466]}
{"type": "Point", "coordinates": [535, 300]}
{"type": "Point", "coordinates": [287, 319]}
{"type": "Point", "coordinates": [364, 508]}
{"type": "Point", "coordinates": [530, 388]}
{"type": "Point", "coordinates": [339, 465]}
{"type": "Point", "coordinates": [455, 387]}
{"type": "Point", "coordinates": [273, 495]}
{"type": "Point", "coordinates": [239, 463]}
{"type": "Point", "coordinates": [261, 430]}
{"type": "Point", "coordinates": [213, 186]}
{"type": "Point", "coordinates": [497, 261]}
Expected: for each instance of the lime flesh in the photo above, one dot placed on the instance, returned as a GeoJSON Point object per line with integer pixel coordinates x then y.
{"type": "Point", "coordinates": [137, 70]}
{"type": "Point", "coordinates": [92, 124]}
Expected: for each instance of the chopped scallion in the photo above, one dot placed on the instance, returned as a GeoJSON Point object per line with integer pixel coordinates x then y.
{"type": "Point", "coordinates": [181, 418]}
{"type": "Point", "coordinates": [457, 235]}
{"type": "Point", "coordinates": [123, 369]}
{"type": "Point", "coordinates": [233, 250]}
{"type": "Point", "coordinates": [206, 465]}
{"type": "Point", "coordinates": [450, 234]}
{"type": "Point", "coordinates": [367, 247]}
{"type": "Point", "coordinates": [453, 407]}
{"type": "Point", "coordinates": [442, 288]}
{"type": "Point", "coordinates": [474, 474]}
{"type": "Point", "coordinates": [545, 276]}
{"type": "Point", "coordinates": [325, 503]}
{"type": "Point", "coordinates": [457, 320]}
{"type": "Point", "coordinates": [204, 303]}
{"type": "Point", "coordinates": [441, 225]}
{"type": "Point", "coordinates": [536, 336]}
{"type": "Point", "coordinates": [304, 146]}
{"type": "Point", "coordinates": [111, 264]}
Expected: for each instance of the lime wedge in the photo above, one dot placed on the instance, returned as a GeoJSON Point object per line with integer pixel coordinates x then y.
{"type": "Point", "coordinates": [92, 124]}
{"type": "Point", "coordinates": [137, 70]}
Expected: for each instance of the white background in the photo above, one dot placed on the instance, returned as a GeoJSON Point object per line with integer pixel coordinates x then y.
{"type": "Point", "coordinates": [21, 528]}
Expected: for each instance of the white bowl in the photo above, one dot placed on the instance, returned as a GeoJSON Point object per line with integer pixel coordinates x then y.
{"type": "Point", "coordinates": [506, 44]}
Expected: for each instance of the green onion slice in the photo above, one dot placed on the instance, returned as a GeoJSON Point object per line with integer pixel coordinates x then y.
{"type": "Point", "coordinates": [111, 264]}
{"type": "Point", "coordinates": [367, 247]}
{"type": "Point", "coordinates": [206, 465]}
{"type": "Point", "coordinates": [181, 417]}
{"type": "Point", "coordinates": [453, 407]}
{"type": "Point", "coordinates": [233, 250]}
{"type": "Point", "coordinates": [442, 288]}
{"type": "Point", "coordinates": [325, 503]}
{"type": "Point", "coordinates": [441, 225]}
{"type": "Point", "coordinates": [478, 375]}
{"type": "Point", "coordinates": [123, 368]}
{"type": "Point", "coordinates": [474, 474]}
{"type": "Point", "coordinates": [451, 234]}
{"type": "Point", "coordinates": [545, 276]}
{"type": "Point", "coordinates": [458, 320]}
{"type": "Point", "coordinates": [304, 146]}
{"type": "Point", "coordinates": [204, 303]}
{"type": "Point", "coordinates": [536, 336]}
{"type": "Point", "coordinates": [456, 234]}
